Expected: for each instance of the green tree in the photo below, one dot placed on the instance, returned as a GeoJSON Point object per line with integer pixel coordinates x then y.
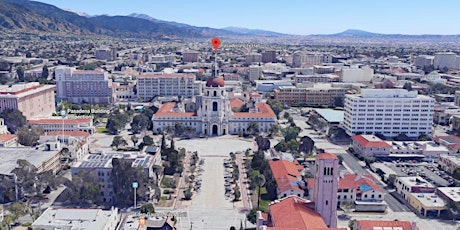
{"type": "Point", "coordinates": [290, 133]}
{"type": "Point", "coordinates": [14, 119]}
{"type": "Point", "coordinates": [117, 121]}
{"type": "Point", "coordinates": [20, 72]}
{"type": "Point", "coordinates": [252, 216]}
{"type": "Point", "coordinates": [29, 137]}
{"type": "Point", "coordinates": [276, 105]}
{"type": "Point", "coordinates": [45, 72]}
{"type": "Point", "coordinates": [118, 141]}
{"type": "Point", "coordinates": [18, 209]}
{"type": "Point", "coordinates": [260, 181]}
{"type": "Point", "coordinates": [274, 130]}
{"type": "Point", "coordinates": [306, 145]}
{"type": "Point", "coordinates": [286, 115]}
{"type": "Point", "coordinates": [262, 143]}
{"type": "Point", "coordinates": [179, 128]}
{"type": "Point", "coordinates": [140, 123]}
{"type": "Point", "coordinates": [134, 139]}
{"type": "Point", "coordinates": [237, 193]}
{"type": "Point", "coordinates": [253, 128]}
{"type": "Point", "coordinates": [147, 208]}
{"type": "Point", "coordinates": [147, 140]}
{"type": "Point", "coordinates": [188, 194]}
{"type": "Point", "coordinates": [407, 86]}
{"type": "Point", "coordinates": [122, 177]}
{"type": "Point", "coordinates": [84, 189]}
{"type": "Point", "coordinates": [391, 180]}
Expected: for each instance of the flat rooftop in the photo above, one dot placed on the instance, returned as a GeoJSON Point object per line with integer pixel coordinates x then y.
{"type": "Point", "coordinates": [331, 115]}
{"type": "Point", "coordinates": [430, 200]}
{"type": "Point", "coordinates": [412, 181]}
{"type": "Point", "coordinates": [10, 156]}
{"type": "Point", "coordinates": [75, 218]}
{"type": "Point", "coordinates": [452, 193]}
{"type": "Point", "coordinates": [105, 160]}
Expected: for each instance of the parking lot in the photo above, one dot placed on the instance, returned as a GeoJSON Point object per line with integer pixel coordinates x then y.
{"type": "Point", "coordinates": [428, 171]}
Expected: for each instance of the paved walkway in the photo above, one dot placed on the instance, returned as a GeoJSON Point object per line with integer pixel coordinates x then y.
{"type": "Point", "coordinates": [209, 209]}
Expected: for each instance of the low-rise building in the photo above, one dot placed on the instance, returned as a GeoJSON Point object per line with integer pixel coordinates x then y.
{"type": "Point", "coordinates": [316, 78]}
{"type": "Point", "coordinates": [449, 163]}
{"type": "Point", "coordinates": [451, 142]}
{"type": "Point", "coordinates": [67, 124]}
{"type": "Point", "coordinates": [415, 184]}
{"type": "Point", "coordinates": [61, 218]}
{"type": "Point", "coordinates": [361, 190]}
{"type": "Point", "coordinates": [427, 204]}
{"type": "Point", "coordinates": [384, 225]}
{"type": "Point", "coordinates": [44, 158]}
{"type": "Point", "coordinates": [370, 146]}
{"type": "Point", "coordinates": [76, 141]}
{"type": "Point", "coordinates": [124, 92]}
{"type": "Point", "coordinates": [8, 140]}
{"type": "Point", "coordinates": [288, 179]}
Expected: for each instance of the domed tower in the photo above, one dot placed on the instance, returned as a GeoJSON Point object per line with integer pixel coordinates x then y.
{"type": "Point", "coordinates": [215, 108]}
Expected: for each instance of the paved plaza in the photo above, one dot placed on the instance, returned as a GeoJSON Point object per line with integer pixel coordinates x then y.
{"type": "Point", "coordinates": [209, 209]}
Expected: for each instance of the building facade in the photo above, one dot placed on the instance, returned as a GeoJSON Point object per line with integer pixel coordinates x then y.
{"type": "Point", "coordinates": [326, 187]}
{"type": "Point", "coordinates": [83, 86]}
{"type": "Point", "coordinates": [69, 124]}
{"type": "Point", "coordinates": [186, 85]}
{"type": "Point", "coordinates": [389, 112]}
{"type": "Point", "coordinates": [32, 99]}
{"type": "Point", "coordinates": [190, 57]}
{"type": "Point", "coordinates": [212, 114]}
{"type": "Point", "coordinates": [317, 95]}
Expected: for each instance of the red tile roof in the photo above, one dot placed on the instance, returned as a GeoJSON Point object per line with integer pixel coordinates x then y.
{"type": "Point", "coordinates": [264, 112]}
{"type": "Point", "coordinates": [286, 174]}
{"type": "Point", "coordinates": [370, 224]}
{"type": "Point", "coordinates": [351, 181]}
{"type": "Point", "coordinates": [166, 111]}
{"type": "Point", "coordinates": [294, 213]}
{"type": "Point", "coordinates": [327, 156]}
{"type": "Point", "coordinates": [68, 133]}
{"type": "Point", "coordinates": [451, 139]}
{"type": "Point", "coordinates": [236, 103]}
{"type": "Point", "coordinates": [354, 181]}
{"type": "Point", "coordinates": [7, 137]}
{"type": "Point", "coordinates": [374, 143]}
{"type": "Point", "coordinates": [59, 121]}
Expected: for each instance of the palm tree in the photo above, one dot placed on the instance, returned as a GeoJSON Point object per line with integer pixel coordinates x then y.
{"type": "Point", "coordinates": [260, 181]}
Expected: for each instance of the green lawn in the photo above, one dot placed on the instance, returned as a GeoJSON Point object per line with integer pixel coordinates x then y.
{"type": "Point", "coordinates": [101, 130]}
{"type": "Point", "coordinates": [263, 206]}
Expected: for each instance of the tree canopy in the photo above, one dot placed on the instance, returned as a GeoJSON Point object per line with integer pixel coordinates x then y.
{"type": "Point", "coordinates": [14, 119]}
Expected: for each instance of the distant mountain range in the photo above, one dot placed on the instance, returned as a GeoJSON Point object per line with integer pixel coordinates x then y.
{"type": "Point", "coordinates": [30, 16]}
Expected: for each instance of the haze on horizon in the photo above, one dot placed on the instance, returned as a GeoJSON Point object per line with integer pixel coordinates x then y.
{"type": "Point", "coordinates": [290, 17]}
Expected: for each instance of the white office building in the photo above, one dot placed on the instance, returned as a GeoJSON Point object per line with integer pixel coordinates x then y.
{"type": "Point", "coordinates": [389, 112]}
{"type": "Point", "coordinates": [446, 60]}
{"type": "Point", "coordinates": [149, 86]}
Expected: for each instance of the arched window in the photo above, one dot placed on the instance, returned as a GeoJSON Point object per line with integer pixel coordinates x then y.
{"type": "Point", "coordinates": [214, 106]}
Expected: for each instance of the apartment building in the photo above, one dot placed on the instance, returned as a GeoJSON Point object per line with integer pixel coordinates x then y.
{"type": "Point", "coordinates": [389, 112]}
{"type": "Point", "coordinates": [32, 99]}
{"type": "Point", "coordinates": [316, 95]}
{"type": "Point", "coordinates": [83, 86]}
{"type": "Point", "coordinates": [269, 56]}
{"type": "Point", "coordinates": [190, 57]}
{"type": "Point", "coordinates": [186, 85]}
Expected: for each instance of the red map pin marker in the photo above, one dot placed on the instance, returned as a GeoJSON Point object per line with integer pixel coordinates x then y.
{"type": "Point", "coordinates": [216, 43]}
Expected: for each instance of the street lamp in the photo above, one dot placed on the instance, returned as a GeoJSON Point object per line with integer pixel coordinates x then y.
{"type": "Point", "coordinates": [135, 186]}
{"type": "Point", "coordinates": [63, 114]}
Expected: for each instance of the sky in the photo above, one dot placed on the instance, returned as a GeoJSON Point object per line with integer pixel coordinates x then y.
{"type": "Point", "coordinates": [301, 17]}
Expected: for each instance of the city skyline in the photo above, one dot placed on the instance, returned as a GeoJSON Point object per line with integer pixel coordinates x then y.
{"type": "Point", "coordinates": [392, 17]}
